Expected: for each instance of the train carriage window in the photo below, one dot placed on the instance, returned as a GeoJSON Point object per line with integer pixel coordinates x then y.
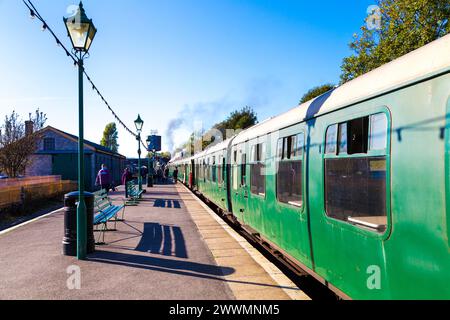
{"type": "Point", "coordinates": [280, 149]}
{"type": "Point", "coordinates": [257, 170]}
{"type": "Point", "coordinates": [219, 174]}
{"type": "Point", "coordinates": [221, 171]}
{"type": "Point", "coordinates": [342, 138]}
{"type": "Point", "coordinates": [235, 177]}
{"type": "Point", "coordinates": [290, 170]}
{"type": "Point", "coordinates": [357, 136]}
{"type": "Point", "coordinates": [378, 131]}
{"type": "Point", "coordinates": [331, 139]}
{"type": "Point", "coordinates": [224, 169]}
{"type": "Point", "coordinates": [213, 169]}
{"type": "Point", "coordinates": [234, 172]}
{"type": "Point", "coordinates": [244, 170]}
{"type": "Point", "coordinates": [355, 181]}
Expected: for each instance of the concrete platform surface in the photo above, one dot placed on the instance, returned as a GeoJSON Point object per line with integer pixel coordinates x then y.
{"type": "Point", "coordinates": [170, 247]}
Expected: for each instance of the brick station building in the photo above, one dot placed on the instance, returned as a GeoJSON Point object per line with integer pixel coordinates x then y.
{"type": "Point", "coordinates": [57, 154]}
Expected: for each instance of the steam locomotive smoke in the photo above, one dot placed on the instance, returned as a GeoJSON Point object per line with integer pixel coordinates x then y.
{"type": "Point", "coordinates": [257, 94]}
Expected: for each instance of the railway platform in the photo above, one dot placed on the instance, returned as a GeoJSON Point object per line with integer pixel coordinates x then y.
{"type": "Point", "coordinates": [170, 247]}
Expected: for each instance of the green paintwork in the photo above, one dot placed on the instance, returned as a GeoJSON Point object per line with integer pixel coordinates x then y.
{"type": "Point", "coordinates": [413, 255]}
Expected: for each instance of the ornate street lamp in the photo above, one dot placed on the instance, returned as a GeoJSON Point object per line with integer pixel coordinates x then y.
{"type": "Point", "coordinates": [139, 125]}
{"type": "Point", "coordinates": [81, 31]}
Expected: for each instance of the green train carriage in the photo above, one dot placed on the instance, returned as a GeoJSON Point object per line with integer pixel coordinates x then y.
{"type": "Point", "coordinates": [354, 186]}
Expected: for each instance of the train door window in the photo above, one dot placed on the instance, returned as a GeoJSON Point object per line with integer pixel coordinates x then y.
{"type": "Point", "coordinates": [213, 169]}
{"type": "Point", "coordinates": [257, 170]}
{"type": "Point", "coordinates": [221, 170]}
{"type": "Point", "coordinates": [290, 171]}
{"type": "Point", "coordinates": [204, 170]}
{"type": "Point", "coordinates": [235, 169]}
{"type": "Point", "coordinates": [243, 169]}
{"type": "Point", "coordinates": [219, 173]}
{"type": "Point", "coordinates": [355, 181]}
{"type": "Point", "coordinates": [224, 169]}
{"type": "Point", "coordinates": [208, 169]}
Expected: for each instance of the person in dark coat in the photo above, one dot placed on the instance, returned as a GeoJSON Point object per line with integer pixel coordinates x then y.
{"type": "Point", "coordinates": [166, 174]}
{"type": "Point", "coordinates": [144, 173]}
{"type": "Point", "coordinates": [103, 178]}
{"type": "Point", "coordinates": [126, 177]}
{"type": "Point", "coordinates": [175, 176]}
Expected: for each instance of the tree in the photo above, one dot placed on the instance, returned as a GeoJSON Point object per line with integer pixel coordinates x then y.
{"type": "Point", "coordinates": [38, 119]}
{"type": "Point", "coordinates": [404, 25]}
{"type": "Point", "coordinates": [316, 91]}
{"type": "Point", "coordinates": [110, 137]}
{"type": "Point", "coordinates": [16, 146]}
{"type": "Point", "coordinates": [237, 120]}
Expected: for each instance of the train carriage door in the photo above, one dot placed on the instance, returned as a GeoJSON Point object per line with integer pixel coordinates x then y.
{"type": "Point", "coordinates": [238, 183]}
{"type": "Point", "coordinates": [243, 183]}
{"type": "Point", "coordinates": [193, 173]}
{"type": "Point", "coordinates": [349, 186]}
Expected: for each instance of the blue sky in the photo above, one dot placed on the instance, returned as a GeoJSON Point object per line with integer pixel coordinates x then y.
{"type": "Point", "coordinates": [199, 59]}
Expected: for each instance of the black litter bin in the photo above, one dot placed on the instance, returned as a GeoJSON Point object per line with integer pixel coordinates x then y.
{"type": "Point", "coordinates": [70, 223]}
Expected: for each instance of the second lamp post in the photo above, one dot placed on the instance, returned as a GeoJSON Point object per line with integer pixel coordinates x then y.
{"type": "Point", "coordinates": [139, 124]}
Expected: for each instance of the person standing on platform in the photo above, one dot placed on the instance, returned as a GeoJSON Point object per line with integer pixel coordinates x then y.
{"type": "Point", "coordinates": [144, 173]}
{"type": "Point", "coordinates": [175, 176]}
{"type": "Point", "coordinates": [126, 177]}
{"type": "Point", "coordinates": [166, 175]}
{"type": "Point", "coordinates": [103, 178]}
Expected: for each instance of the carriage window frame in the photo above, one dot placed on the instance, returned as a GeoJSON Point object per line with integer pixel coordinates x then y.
{"type": "Point", "coordinates": [234, 174]}
{"type": "Point", "coordinates": [286, 156]}
{"type": "Point", "coordinates": [372, 232]}
{"type": "Point", "coordinates": [214, 170]}
{"type": "Point", "coordinates": [258, 155]}
{"type": "Point", "coordinates": [243, 166]}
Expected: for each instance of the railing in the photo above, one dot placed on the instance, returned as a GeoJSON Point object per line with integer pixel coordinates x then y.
{"type": "Point", "coordinates": [24, 191]}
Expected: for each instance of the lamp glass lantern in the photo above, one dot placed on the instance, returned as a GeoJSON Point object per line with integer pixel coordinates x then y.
{"type": "Point", "coordinates": [139, 124]}
{"type": "Point", "coordinates": [80, 29]}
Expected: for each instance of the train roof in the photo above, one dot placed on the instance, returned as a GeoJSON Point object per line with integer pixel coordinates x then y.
{"type": "Point", "coordinates": [430, 60]}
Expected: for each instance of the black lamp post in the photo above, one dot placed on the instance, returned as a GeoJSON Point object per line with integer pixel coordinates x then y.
{"type": "Point", "coordinates": [139, 125]}
{"type": "Point", "coordinates": [81, 31]}
{"type": "Point", "coordinates": [150, 164]}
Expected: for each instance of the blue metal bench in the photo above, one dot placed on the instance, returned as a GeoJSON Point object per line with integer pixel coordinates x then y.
{"type": "Point", "coordinates": [133, 193]}
{"type": "Point", "coordinates": [106, 212]}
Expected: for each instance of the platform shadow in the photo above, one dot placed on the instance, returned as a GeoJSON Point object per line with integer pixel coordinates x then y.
{"type": "Point", "coordinates": [160, 264]}
{"type": "Point", "coordinates": [163, 240]}
{"type": "Point", "coordinates": [183, 268]}
{"type": "Point", "coordinates": [167, 203]}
